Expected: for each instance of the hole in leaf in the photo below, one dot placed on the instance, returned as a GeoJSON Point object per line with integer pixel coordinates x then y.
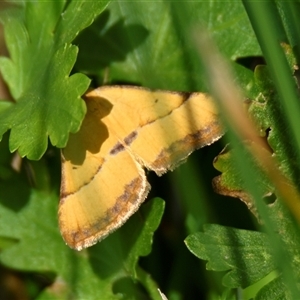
{"type": "Point", "coordinates": [269, 198]}
{"type": "Point", "coordinates": [268, 131]}
{"type": "Point", "coordinates": [251, 62]}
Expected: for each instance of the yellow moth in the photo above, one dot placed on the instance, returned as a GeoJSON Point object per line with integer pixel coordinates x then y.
{"type": "Point", "coordinates": [125, 130]}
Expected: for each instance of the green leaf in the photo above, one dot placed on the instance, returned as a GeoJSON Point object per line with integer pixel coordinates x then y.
{"type": "Point", "coordinates": [145, 45]}
{"type": "Point", "coordinates": [48, 99]}
{"type": "Point", "coordinates": [247, 254]}
{"type": "Point", "coordinates": [275, 290]}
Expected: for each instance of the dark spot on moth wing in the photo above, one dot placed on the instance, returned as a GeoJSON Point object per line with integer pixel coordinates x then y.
{"type": "Point", "coordinates": [130, 138]}
{"type": "Point", "coordinates": [127, 141]}
{"type": "Point", "coordinates": [118, 147]}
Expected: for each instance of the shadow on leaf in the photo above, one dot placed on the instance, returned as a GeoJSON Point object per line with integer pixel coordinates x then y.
{"type": "Point", "coordinates": [98, 48]}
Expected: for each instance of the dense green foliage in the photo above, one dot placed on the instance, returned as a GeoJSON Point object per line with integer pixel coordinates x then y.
{"type": "Point", "coordinates": [59, 49]}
